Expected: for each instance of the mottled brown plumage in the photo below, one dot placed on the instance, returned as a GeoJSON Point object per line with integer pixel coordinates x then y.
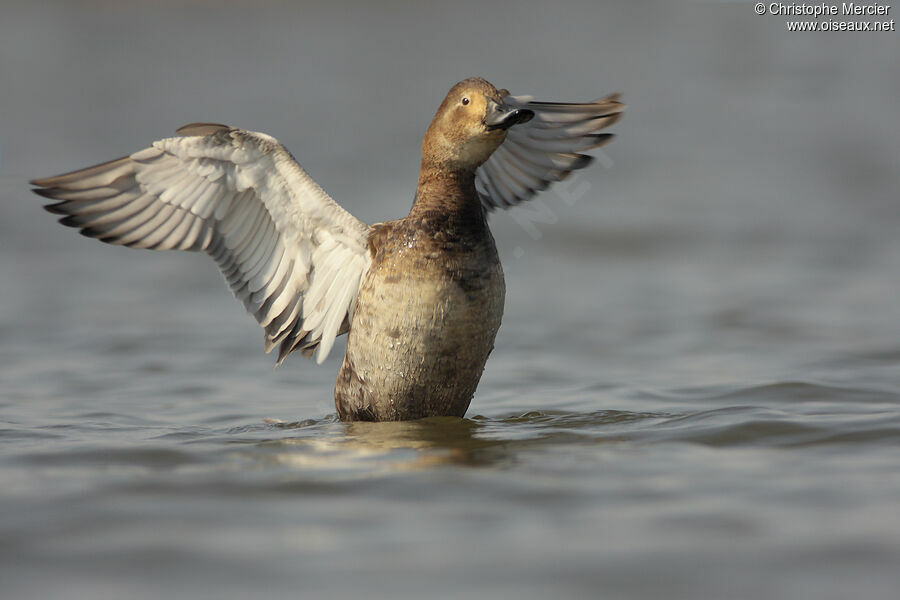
{"type": "Point", "coordinates": [431, 302]}
{"type": "Point", "coordinates": [426, 316]}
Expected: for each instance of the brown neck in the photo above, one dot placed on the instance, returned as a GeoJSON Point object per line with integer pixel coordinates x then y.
{"type": "Point", "coordinates": [447, 191]}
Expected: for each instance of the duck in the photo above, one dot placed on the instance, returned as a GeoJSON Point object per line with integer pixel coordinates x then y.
{"type": "Point", "coordinates": [420, 298]}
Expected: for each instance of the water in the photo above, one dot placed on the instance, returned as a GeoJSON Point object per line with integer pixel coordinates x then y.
{"type": "Point", "coordinates": [695, 392]}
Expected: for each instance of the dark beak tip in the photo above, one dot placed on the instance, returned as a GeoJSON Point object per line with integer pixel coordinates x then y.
{"type": "Point", "coordinates": [506, 118]}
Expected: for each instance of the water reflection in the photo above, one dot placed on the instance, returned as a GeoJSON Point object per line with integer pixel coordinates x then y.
{"type": "Point", "coordinates": [399, 446]}
{"type": "Point", "coordinates": [329, 445]}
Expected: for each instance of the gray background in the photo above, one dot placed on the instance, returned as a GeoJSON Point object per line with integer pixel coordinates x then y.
{"type": "Point", "coordinates": [695, 390]}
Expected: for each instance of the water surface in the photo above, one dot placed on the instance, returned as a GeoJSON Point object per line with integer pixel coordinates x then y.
{"type": "Point", "coordinates": [695, 392]}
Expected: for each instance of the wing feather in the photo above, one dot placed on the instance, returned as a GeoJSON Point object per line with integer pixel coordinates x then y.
{"type": "Point", "coordinates": [546, 149]}
{"type": "Point", "coordinates": [289, 252]}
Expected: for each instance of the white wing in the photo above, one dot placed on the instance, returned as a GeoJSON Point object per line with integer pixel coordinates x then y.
{"type": "Point", "coordinates": [290, 253]}
{"type": "Point", "coordinates": [545, 149]}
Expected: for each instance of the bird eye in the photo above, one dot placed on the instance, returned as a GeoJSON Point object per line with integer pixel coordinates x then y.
{"type": "Point", "coordinates": [464, 101]}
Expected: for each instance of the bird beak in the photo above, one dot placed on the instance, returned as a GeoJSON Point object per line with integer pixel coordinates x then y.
{"type": "Point", "coordinates": [504, 116]}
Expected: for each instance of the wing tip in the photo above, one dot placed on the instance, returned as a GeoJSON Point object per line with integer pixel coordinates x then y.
{"type": "Point", "coordinates": [320, 356]}
{"type": "Point", "coordinates": [614, 97]}
{"type": "Point", "coordinates": [600, 140]}
{"type": "Point", "coordinates": [56, 208]}
{"type": "Point", "coordinates": [45, 192]}
{"type": "Point", "coordinates": [74, 176]}
{"type": "Point", "coordinates": [581, 161]}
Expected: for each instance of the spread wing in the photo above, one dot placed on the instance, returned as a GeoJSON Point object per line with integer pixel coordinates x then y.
{"type": "Point", "coordinates": [290, 253]}
{"type": "Point", "coordinates": [546, 149]}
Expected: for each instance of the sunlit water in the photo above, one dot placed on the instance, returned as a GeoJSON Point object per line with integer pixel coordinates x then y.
{"type": "Point", "coordinates": [695, 392]}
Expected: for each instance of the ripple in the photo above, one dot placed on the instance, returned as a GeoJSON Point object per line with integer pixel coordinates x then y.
{"type": "Point", "coordinates": [578, 419]}
{"type": "Point", "coordinates": [8, 435]}
{"type": "Point", "coordinates": [147, 457]}
{"type": "Point", "coordinates": [789, 391]}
